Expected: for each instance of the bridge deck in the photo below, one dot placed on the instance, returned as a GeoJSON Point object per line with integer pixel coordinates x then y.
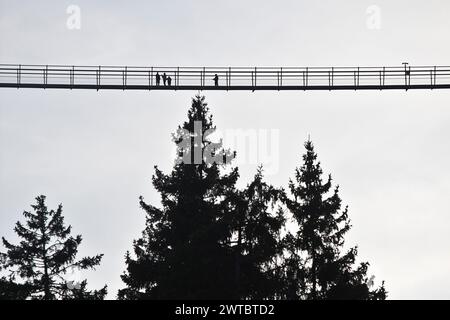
{"type": "Point", "coordinates": [224, 78]}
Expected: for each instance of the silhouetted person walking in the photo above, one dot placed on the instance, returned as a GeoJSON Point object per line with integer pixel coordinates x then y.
{"type": "Point", "coordinates": [158, 78]}
{"type": "Point", "coordinates": [164, 76]}
{"type": "Point", "coordinates": [216, 80]}
{"type": "Point", "coordinates": [169, 81]}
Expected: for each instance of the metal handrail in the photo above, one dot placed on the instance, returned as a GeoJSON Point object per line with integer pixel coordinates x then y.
{"type": "Point", "coordinates": [252, 78]}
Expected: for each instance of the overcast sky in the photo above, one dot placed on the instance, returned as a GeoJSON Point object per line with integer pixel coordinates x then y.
{"type": "Point", "coordinates": [95, 151]}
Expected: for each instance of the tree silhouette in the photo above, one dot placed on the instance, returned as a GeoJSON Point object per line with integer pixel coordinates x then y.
{"type": "Point", "coordinates": [46, 252]}
{"type": "Point", "coordinates": [9, 290]}
{"type": "Point", "coordinates": [184, 251]}
{"type": "Point", "coordinates": [258, 246]}
{"type": "Point", "coordinates": [316, 267]}
{"type": "Point", "coordinates": [211, 241]}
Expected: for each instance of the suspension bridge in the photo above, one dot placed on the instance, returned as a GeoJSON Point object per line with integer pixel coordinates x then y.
{"type": "Point", "coordinates": [403, 77]}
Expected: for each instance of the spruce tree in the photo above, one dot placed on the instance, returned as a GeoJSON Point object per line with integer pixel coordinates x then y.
{"type": "Point", "coordinates": [46, 252]}
{"type": "Point", "coordinates": [184, 251]}
{"type": "Point", "coordinates": [258, 224]}
{"type": "Point", "coordinates": [317, 267]}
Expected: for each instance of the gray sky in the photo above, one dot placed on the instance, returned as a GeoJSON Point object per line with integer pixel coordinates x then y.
{"type": "Point", "coordinates": [95, 151]}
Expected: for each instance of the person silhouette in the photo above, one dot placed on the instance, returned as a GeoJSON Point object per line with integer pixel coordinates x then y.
{"type": "Point", "coordinates": [158, 78]}
{"type": "Point", "coordinates": [216, 80]}
{"type": "Point", "coordinates": [164, 76]}
{"type": "Point", "coordinates": [169, 81]}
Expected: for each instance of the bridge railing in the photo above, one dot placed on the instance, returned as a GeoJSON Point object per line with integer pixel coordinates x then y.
{"type": "Point", "coordinates": [227, 77]}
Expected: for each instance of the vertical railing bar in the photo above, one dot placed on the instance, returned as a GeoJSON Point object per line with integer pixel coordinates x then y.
{"type": "Point", "coordinates": [406, 81]}
{"type": "Point", "coordinates": [307, 76]}
{"type": "Point", "coordinates": [329, 80]}
{"type": "Point", "coordinates": [150, 77]}
{"type": "Point", "coordinates": [409, 76]}
{"type": "Point", "coordinates": [18, 76]}
{"type": "Point", "coordinates": [435, 75]}
{"type": "Point", "coordinates": [99, 75]}
{"type": "Point", "coordinates": [332, 76]}
{"type": "Point", "coordinates": [43, 76]}
{"type": "Point", "coordinates": [226, 78]}
{"type": "Point", "coordinates": [126, 76]}
{"type": "Point", "coordinates": [358, 77]}
{"type": "Point", "coordinates": [204, 76]}
{"type": "Point", "coordinates": [281, 77]}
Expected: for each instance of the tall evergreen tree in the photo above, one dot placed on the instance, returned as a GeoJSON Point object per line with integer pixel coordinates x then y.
{"type": "Point", "coordinates": [258, 225]}
{"type": "Point", "coordinates": [46, 252]}
{"type": "Point", "coordinates": [184, 251]}
{"type": "Point", "coordinates": [317, 268]}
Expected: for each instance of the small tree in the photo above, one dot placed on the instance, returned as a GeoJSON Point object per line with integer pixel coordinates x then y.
{"type": "Point", "coordinates": [317, 267]}
{"type": "Point", "coordinates": [46, 252]}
